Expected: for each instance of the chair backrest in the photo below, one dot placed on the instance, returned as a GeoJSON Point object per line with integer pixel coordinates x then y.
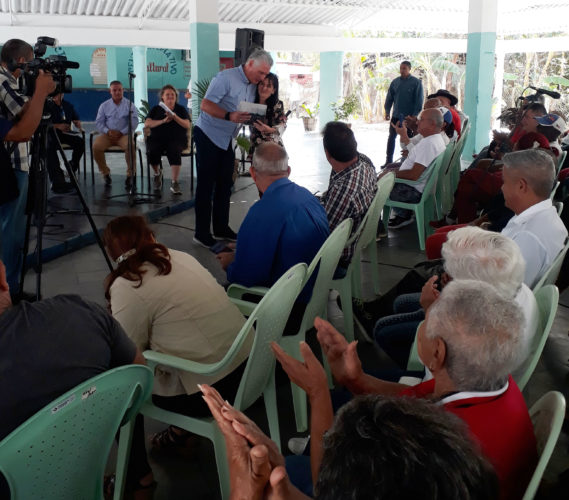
{"type": "Point", "coordinates": [433, 176]}
{"type": "Point", "coordinates": [547, 300]}
{"type": "Point", "coordinates": [547, 416]}
{"type": "Point", "coordinates": [369, 224]}
{"type": "Point", "coordinates": [558, 206]}
{"type": "Point", "coordinates": [550, 276]}
{"type": "Point", "coordinates": [62, 450]}
{"type": "Point", "coordinates": [326, 261]}
{"type": "Point", "coordinates": [560, 161]}
{"type": "Point", "coordinates": [269, 317]}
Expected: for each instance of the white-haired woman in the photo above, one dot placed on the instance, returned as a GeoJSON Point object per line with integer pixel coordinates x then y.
{"type": "Point", "coordinates": [468, 253]}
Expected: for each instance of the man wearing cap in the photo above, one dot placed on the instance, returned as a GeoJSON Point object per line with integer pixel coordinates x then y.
{"type": "Point", "coordinates": [408, 143]}
{"type": "Point", "coordinates": [405, 94]}
{"type": "Point", "coordinates": [551, 126]}
{"type": "Point", "coordinates": [449, 101]}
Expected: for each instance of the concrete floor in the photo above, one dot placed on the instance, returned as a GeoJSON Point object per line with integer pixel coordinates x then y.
{"type": "Point", "coordinates": [194, 475]}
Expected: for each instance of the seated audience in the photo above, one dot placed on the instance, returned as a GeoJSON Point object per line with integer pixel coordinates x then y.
{"type": "Point", "coordinates": [552, 126]}
{"type": "Point", "coordinates": [167, 302]}
{"type": "Point", "coordinates": [168, 133]}
{"type": "Point", "coordinates": [416, 164]}
{"type": "Point", "coordinates": [286, 226]}
{"type": "Point", "coordinates": [468, 253]}
{"type": "Point", "coordinates": [378, 447]}
{"type": "Point", "coordinates": [528, 122]}
{"type": "Point", "coordinates": [470, 355]}
{"type": "Point", "coordinates": [112, 124]}
{"type": "Point", "coordinates": [352, 184]}
{"type": "Point", "coordinates": [50, 346]}
{"type": "Point", "coordinates": [271, 127]}
{"type": "Point", "coordinates": [449, 101]}
{"type": "Point", "coordinates": [63, 114]}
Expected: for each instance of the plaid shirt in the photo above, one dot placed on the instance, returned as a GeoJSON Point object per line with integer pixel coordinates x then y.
{"type": "Point", "coordinates": [350, 193]}
{"type": "Point", "coordinates": [11, 104]}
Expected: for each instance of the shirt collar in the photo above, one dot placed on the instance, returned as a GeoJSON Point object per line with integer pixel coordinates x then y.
{"type": "Point", "coordinates": [531, 211]}
{"type": "Point", "coordinates": [277, 183]}
{"type": "Point", "coordinates": [353, 166]}
{"type": "Point", "coordinates": [243, 75]}
{"type": "Point", "coordinates": [459, 396]}
{"type": "Point", "coordinates": [7, 73]}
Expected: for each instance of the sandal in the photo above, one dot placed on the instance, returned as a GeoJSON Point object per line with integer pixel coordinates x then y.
{"type": "Point", "coordinates": [169, 438]}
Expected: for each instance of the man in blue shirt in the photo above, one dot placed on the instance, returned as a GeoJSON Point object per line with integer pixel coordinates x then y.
{"type": "Point", "coordinates": [286, 226]}
{"type": "Point", "coordinates": [405, 94]}
{"type": "Point", "coordinates": [217, 125]}
{"type": "Point", "coordinates": [112, 125]}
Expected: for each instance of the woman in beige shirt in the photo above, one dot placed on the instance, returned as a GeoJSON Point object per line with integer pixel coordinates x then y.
{"type": "Point", "coordinates": [168, 302]}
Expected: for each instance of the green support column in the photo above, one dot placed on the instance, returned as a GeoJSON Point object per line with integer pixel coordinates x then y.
{"type": "Point", "coordinates": [482, 19]}
{"type": "Point", "coordinates": [204, 44]}
{"type": "Point", "coordinates": [331, 79]}
{"type": "Point", "coordinates": [141, 81]}
{"type": "Point", "coordinates": [112, 70]}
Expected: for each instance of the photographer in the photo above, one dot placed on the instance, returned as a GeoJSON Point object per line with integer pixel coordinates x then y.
{"type": "Point", "coordinates": [24, 116]}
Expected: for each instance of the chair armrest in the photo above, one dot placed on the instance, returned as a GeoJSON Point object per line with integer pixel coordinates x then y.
{"type": "Point", "coordinates": [245, 308]}
{"type": "Point", "coordinates": [406, 181]}
{"type": "Point", "coordinates": [154, 358]}
{"type": "Point", "coordinates": [237, 291]}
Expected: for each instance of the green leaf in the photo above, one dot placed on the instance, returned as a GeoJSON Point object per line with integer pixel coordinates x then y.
{"type": "Point", "coordinates": [556, 80]}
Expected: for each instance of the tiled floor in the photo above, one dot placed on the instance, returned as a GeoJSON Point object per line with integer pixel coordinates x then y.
{"type": "Point", "coordinates": [194, 476]}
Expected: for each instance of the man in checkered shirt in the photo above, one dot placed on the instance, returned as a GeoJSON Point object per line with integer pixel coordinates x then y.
{"type": "Point", "coordinates": [353, 182]}
{"type": "Point", "coordinates": [14, 107]}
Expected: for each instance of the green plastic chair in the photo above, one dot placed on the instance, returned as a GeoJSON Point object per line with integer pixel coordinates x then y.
{"type": "Point", "coordinates": [550, 276]}
{"type": "Point", "coordinates": [547, 416]}
{"type": "Point", "coordinates": [326, 261]}
{"type": "Point", "coordinates": [558, 206]}
{"type": "Point", "coordinates": [560, 162]}
{"type": "Point", "coordinates": [61, 452]}
{"type": "Point", "coordinates": [547, 301]}
{"type": "Point", "coordinates": [350, 285]}
{"type": "Point", "coordinates": [456, 166]}
{"type": "Point", "coordinates": [445, 191]}
{"type": "Point", "coordinates": [424, 209]}
{"type": "Point", "coordinates": [269, 318]}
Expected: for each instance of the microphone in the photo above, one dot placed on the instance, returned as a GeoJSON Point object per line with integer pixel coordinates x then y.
{"type": "Point", "coordinates": [550, 93]}
{"type": "Point", "coordinates": [131, 75]}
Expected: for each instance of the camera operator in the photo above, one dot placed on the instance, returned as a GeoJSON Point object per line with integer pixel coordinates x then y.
{"type": "Point", "coordinates": [23, 116]}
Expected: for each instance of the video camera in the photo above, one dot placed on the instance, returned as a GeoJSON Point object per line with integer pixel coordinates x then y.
{"type": "Point", "coordinates": [55, 65]}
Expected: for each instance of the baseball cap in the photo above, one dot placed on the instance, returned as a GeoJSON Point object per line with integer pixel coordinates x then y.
{"type": "Point", "coordinates": [552, 120]}
{"type": "Point", "coordinates": [447, 115]}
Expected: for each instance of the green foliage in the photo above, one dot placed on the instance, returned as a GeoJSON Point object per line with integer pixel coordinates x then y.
{"type": "Point", "coordinates": [346, 107]}
{"type": "Point", "coordinates": [243, 143]}
{"type": "Point", "coordinates": [143, 111]}
{"type": "Point", "coordinates": [199, 89]}
{"type": "Point", "coordinates": [311, 113]}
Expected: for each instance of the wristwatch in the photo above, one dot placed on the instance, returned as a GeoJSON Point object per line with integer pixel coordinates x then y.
{"type": "Point", "coordinates": [227, 116]}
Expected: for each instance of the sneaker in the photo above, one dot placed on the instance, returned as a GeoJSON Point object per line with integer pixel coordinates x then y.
{"type": "Point", "coordinates": [399, 221]}
{"type": "Point", "coordinates": [205, 241]}
{"type": "Point", "coordinates": [297, 445]}
{"type": "Point", "coordinates": [157, 182]}
{"type": "Point", "coordinates": [128, 183]}
{"type": "Point", "coordinates": [62, 187]}
{"type": "Point", "coordinates": [227, 234]}
{"type": "Point", "coordinates": [175, 187]}
{"type": "Point", "coordinates": [381, 231]}
{"type": "Point", "coordinates": [107, 179]}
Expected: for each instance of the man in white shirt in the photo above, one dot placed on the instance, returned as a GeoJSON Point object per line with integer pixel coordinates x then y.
{"type": "Point", "coordinates": [415, 167]}
{"type": "Point", "coordinates": [536, 228]}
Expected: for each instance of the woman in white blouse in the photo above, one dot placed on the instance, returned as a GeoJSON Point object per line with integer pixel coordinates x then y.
{"type": "Point", "coordinates": [168, 302]}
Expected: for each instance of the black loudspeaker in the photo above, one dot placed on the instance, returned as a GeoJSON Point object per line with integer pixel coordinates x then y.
{"type": "Point", "coordinates": [247, 40]}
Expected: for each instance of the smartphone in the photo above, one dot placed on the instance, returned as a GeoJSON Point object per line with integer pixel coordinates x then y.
{"type": "Point", "coordinates": [219, 247]}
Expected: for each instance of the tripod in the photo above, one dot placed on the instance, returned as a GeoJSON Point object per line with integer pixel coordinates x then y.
{"type": "Point", "coordinates": [37, 198]}
{"type": "Point", "coordinates": [133, 198]}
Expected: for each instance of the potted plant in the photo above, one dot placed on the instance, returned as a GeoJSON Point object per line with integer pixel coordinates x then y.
{"type": "Point", "coordinates": [344, 108]}
{"type": "Point", "coordinates": [310, 120]}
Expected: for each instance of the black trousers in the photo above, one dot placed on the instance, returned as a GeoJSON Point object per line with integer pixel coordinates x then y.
{"type": "Point", "coordinates": [214, 179]}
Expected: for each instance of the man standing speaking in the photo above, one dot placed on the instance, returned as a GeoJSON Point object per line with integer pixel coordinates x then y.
{"type": "Point", "coordinates": [405, 94]}
{"type": "Point", "coordinates": [218, 123]}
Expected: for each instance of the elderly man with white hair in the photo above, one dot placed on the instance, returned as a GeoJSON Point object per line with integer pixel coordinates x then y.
{"type": "Point", "coordinates": [468, 253]}
{"type": "Point", "coordinates": [286, 226]}
{"type": "Point", "coordinates": [470, 341]}
{"type": "Point", "coordinates": [536, 228]}
{"type": "Point", "coordinates": [217, 125]}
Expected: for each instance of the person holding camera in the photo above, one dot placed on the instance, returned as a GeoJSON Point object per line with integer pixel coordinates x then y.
{"type": "Point", "coordinates": [19, 118]}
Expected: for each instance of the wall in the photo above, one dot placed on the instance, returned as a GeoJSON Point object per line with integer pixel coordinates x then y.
{"type": "Point", "coordinates": [90, 87]}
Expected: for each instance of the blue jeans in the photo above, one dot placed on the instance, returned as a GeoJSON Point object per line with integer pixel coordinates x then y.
{"type": "Point", "coordinates": [13, 231]}
{"type": "Point", "coordinates": [395, 334]}
{"type": "Point", "coordinates": [407, 194]}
